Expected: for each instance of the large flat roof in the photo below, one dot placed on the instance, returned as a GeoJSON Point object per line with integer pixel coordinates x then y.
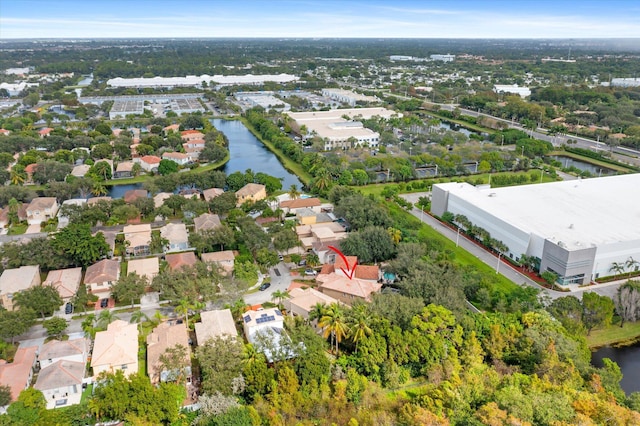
{"type": "Point", "coordinates": [578, 213]}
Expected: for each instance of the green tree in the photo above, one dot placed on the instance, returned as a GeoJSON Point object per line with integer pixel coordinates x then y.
{"type": "Point", "coordinates": [597, 311]}
{"type": "Point", "coordinates": [100, 171]}
{"type": "Point", "coordinates": [293, 192]}
{"type": "Point", "coordinates": [358, 321]}
{"type": "Point", "coordinates": [167, 167]}
{"type": "Point", "coordinates": [42, 299]}
{"type": "Point", "coordinates": [334, 324]}
{"type": "Point", "coordinates": [15, 323]}
{"type": "Point", "coordinates": [223, 203]}
{"type": "Point", "coordinates": [267, 258]}
{"type": "Point", "coordinates": [627, 302]}
{"type": "Point", "coordinates": [129, 288]}
{"type": "Point", "coordinates": [220, 363]}
{"type": "Point", "coordinates": [77, 242]}
{"type": "Point", "coordinates": [371, 244]}
{"type": "Point", "coordinates": [5, 395]}
{"type": "Point", "coordinates": [176, 362]}
{"type": "Point", "coordinates": [55, 326]}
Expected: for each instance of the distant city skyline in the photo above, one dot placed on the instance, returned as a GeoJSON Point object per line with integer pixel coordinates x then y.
{"type": "Point", "coordinates": [318, 19]}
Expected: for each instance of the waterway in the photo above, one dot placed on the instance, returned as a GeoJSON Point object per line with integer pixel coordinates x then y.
{"type": "Point", "coordinates": [584, 166]}
{"type": "Point", "coordinates": [628, 358]}
{"type": "Point", "coordinates": [447, 125]}
{"type": "Point", "coordinates": [247, 152]}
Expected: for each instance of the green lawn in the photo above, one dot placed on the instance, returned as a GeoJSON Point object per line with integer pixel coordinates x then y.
{"type": "Point", "coordinates": [595, 162]}
{"type": "Point", "coordinates": [86, 394]}
{"type": "Point", "coordinates": [18, 229]}
{"type": "Point", "coordinates": [614, 334]}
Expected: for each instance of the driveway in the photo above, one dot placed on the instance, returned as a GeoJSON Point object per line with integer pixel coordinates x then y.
{"type": "Point", "coordinates": [279, 281]}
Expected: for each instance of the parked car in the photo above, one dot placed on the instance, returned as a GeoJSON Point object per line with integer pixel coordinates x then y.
{"type": "Point", "coordinates": [265, 286]}
{"type": "Point", "coordinates": [310, 271]}
{"type": "Point", "coordinates": [303, 262]}
{"type": "Point", "coordinates": [104, 303]}
{"type": "Point", "coordinates": [68, 308]}
{"type": "Point", "coordinates": [281, 257]}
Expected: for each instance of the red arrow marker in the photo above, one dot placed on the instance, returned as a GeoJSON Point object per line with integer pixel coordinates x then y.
{"type": "Point", "coordinates": [349, 272]}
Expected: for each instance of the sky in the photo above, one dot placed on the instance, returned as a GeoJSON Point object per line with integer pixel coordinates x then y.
{"type": "Point", "coordinates": [319, 19]}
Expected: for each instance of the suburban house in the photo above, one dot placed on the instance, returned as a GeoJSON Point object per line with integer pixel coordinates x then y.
{"type": "Point", "coordinates": [66, 281]}
{"type": "Point", "coordinates": [167, 335]}
{"type": "Point", "coordinates": [41, 209]}
{"type": "Point", "coordinates": [147, 268]}
{"type": "Point", "coordinates": [179, 260]}
{"type": "Point", "coordinates": [197, 144]}
{"type": "Point", "coordinates": [293, 206]}
{"type": "Point", "coordinates": [137, 239]}
{"type": "Point", "coordinates": [362, 272]}
{"type": "Point", "coordinates": [188, 135]}
{"type": "Point", "coordinates": [133, 194]}
{"type": "Point", "coordinates": [18, 374]}
{"type": "Point", "coordinates": [327, 232]}
{"type": "Point", "coordinates": [206, 222]}
{"type": "Point", "coordinates": [225, 259]}
{"type": "Point", "coordinates": [95, 200]}
{"type": "Point", "coordinates": [124, 170]}
{"type": "Point", "coordinates": [80, 170]}
{"type": "Point", "coordinates": [264, 329]}
{"type": "Point", "coordinates": [100, 276]}
{"type": "Point", "coordinates": [213, 324]}
{"type": "Point", "coordinates": [251, 192]}
{"type": "Point", "coordinates": [4, 214]}
{"type": "Point", "coordinates": [301, 301]}
{"type": "Point", "coordinates": [211, 193]}
{"type": "Point", "coordinates": [158, 199]}
{"type": "Point", "coordinates": [177, 157]}
{"type": "Point", "coordinates": [61, 383]}
{"type": "Point", "coordinates": [347, 290]}
{"type": "Point", "coordinates": [116, 349]}
{"type": "Point", "coordinates": [171, 128]}
{"type": "Point", "coordinates": [29, 170]}
{"type": "Point", "coordinates": [192, 153]}
{"type": "Point", "coordinates": [148, 163]}
{"type": "Point", "coordinates": [45, 132]}
{"type": "Point", "coordinates": [63, 220]}
{"type": "Point", "coordinates": [177, 236]}
{"type": "Point", "coordinates": [15, 280]}
{"type": "Point", "coordinates": [75, 350]}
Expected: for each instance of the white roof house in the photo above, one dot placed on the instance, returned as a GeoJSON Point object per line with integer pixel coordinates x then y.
{"type": "Point", "coordinates": [523, 92]}
{"type": "Point", "coordinates": [265, 330]}
{"type": "Point", "coordinates": [177, 235]}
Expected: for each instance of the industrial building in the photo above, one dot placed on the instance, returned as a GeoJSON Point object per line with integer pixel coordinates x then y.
{"type": "Point", "coordinates": [348, 97]}
{"type": "Point", "coordinates": [196, 81]}
{"type": "Point", "coordinates": [514, 89]}
{"type": "Point", "coordinates": [266, 100]}
{"type": "Point", "coordinates": [337, 131]}
{"type": "Point", "coordinates": [578, 229]}
{"type": "Point", "coordinates": [122, 108]}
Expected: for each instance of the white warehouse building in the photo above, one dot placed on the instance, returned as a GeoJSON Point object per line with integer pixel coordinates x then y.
{"type": "Point", "coordinates": [577, 229]}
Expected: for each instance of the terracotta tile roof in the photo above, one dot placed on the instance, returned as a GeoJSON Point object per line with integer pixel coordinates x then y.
{"type": "Point", "coordinates": [367, 272]}
{"type": "Point", "coordinates": [178, 260]}
{"type": "Point", "coordinates": [60, 374]}
{"type": "Point", "coordinates": [191, 132]}
{"type": "Point", "coordinates": [102, 271]}
{"type": "Point", "coordinates": [206, 221]}
{"type": "Point", "coordinates": [60, 349]}
{"type": "Point", "coordinates": [66, 281]}
{"type": "Point", "coordinates": [355, 287]}
{"type": "Point", "coordinates": [151, 159]}
{"type": "Point", "coordinates": [45, 131]}
{"type": "Point", "coordinates": [19, 279]}
{"type": "Point", "coordinates": [30, 168]}
{"type": "Point", "coordinates": [218, 256]}
{"type": "Point", "coordinates": [117, 345]}
{"type": "Point", "coordinates": [297, 284]}
{"type": "Point", "coordinates": [42, 203]}
{"type": "Point", "coordinates": [16, 374]}
{"type": "Point", "coordinates": [166, 335]}
{"type": "Point", "coordinates": [299, 203]}
{"type": "Point", "coordinates": [133, 194]}
{"type": "Point", "coordinates": [217, 323]}
{"type": "Point", "coordinates": [250, 189]}
{"type": "Point", "coordinates": [211, 193]}
{"type": "Point", "coordinates": [339, 263]}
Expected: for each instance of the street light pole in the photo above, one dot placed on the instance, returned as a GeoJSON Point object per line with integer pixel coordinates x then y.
{"type": "Point", "coordinates": [457, 237]}
{"type": "Point", "coordinates": [498, 265]}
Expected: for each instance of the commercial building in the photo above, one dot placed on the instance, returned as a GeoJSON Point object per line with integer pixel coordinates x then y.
{"type": "Point", "coordinates": [625, 82]}
{"type": "Point", "coordinates": [578, 229]}
{"type": "Point", "coordinates": [514, 89]}
{"type": "Point", "coordinates": [122, 108]}
{"type": "Point", "coordinates": [348, 97]}
{"type": "Point", "coordinates": [266, 100]}
{"type": "Point", "coordinates": [338, 131]}
{"type": "Point", "coordinates": [443, 58]}
{"type": "Point", "coordinates": [196, 81]}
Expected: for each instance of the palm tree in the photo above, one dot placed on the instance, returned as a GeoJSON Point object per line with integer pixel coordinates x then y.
{"type": "Point", "coordinates": [105, 318]}
{"type": "Point", "coordinates": [99, 189]}
{"type": "Point", "coordinates": [395, 234]}
{"type": "Point", "coordinates": [293, 192]}
{"type": "Point", "coordinates": [617, 268]}
{"type": "Point", "coordinates": [183, 308]}
{"type": "Point", "coordinates": [631, 264]}
{"type": "Point", "coordinates": [317, 311]}
{"type": "Point", "coordinates": [312, 259]}
{"type": "Point", "coordinates": [334, 325]}
{"type": "Point", "coordinates": [280, 296]}
{"type": "Point", "coordinates": [17, 178]}
{"type": "Point", "coordinates": [158, 317]}
{"type": "Point", "coordinates": [139, 317]}
{"type": "Point", "coordinates": [358, 320]}
{"type": "Point", "coordinates": [323, 179]}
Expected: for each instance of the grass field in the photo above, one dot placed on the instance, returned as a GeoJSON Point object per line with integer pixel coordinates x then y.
{"type": "Point", "coordinates": [614, 334]}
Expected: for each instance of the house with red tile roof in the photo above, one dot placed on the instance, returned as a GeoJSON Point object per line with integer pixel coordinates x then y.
{"type": "Point", "coordinates": [179, 260]}
{"type": "Point", "coordinates": [45, 132]}
{"type": "Point", "coordinates": [133, 194]}
{"type": "Point", "coordinates": [18, 374]}
{"type": "Point", "coordinates": [188, 135]}
{"type": "Point", "coordinates": [251, 192]}
{"type": "Point", "coordinates": [148, 163]}
{"type": "Point", "coordinates": [5, 132]}
{"type": "Point", "coordinates": [100, 276]}
{"type": "Point", "coordinates": [293, 206]}
{"type": "Point", "coordinates": [171, 128]}
{"type": "Point", "coordinates": [347, 290]}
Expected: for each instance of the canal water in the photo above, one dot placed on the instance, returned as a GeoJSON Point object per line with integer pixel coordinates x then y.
{"type": "Point", "coordinates": [246, 152]}
{"type": "Point", "coordinates": [628, 358]}
{"type": "Point", "coordinates": [581, 165]}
